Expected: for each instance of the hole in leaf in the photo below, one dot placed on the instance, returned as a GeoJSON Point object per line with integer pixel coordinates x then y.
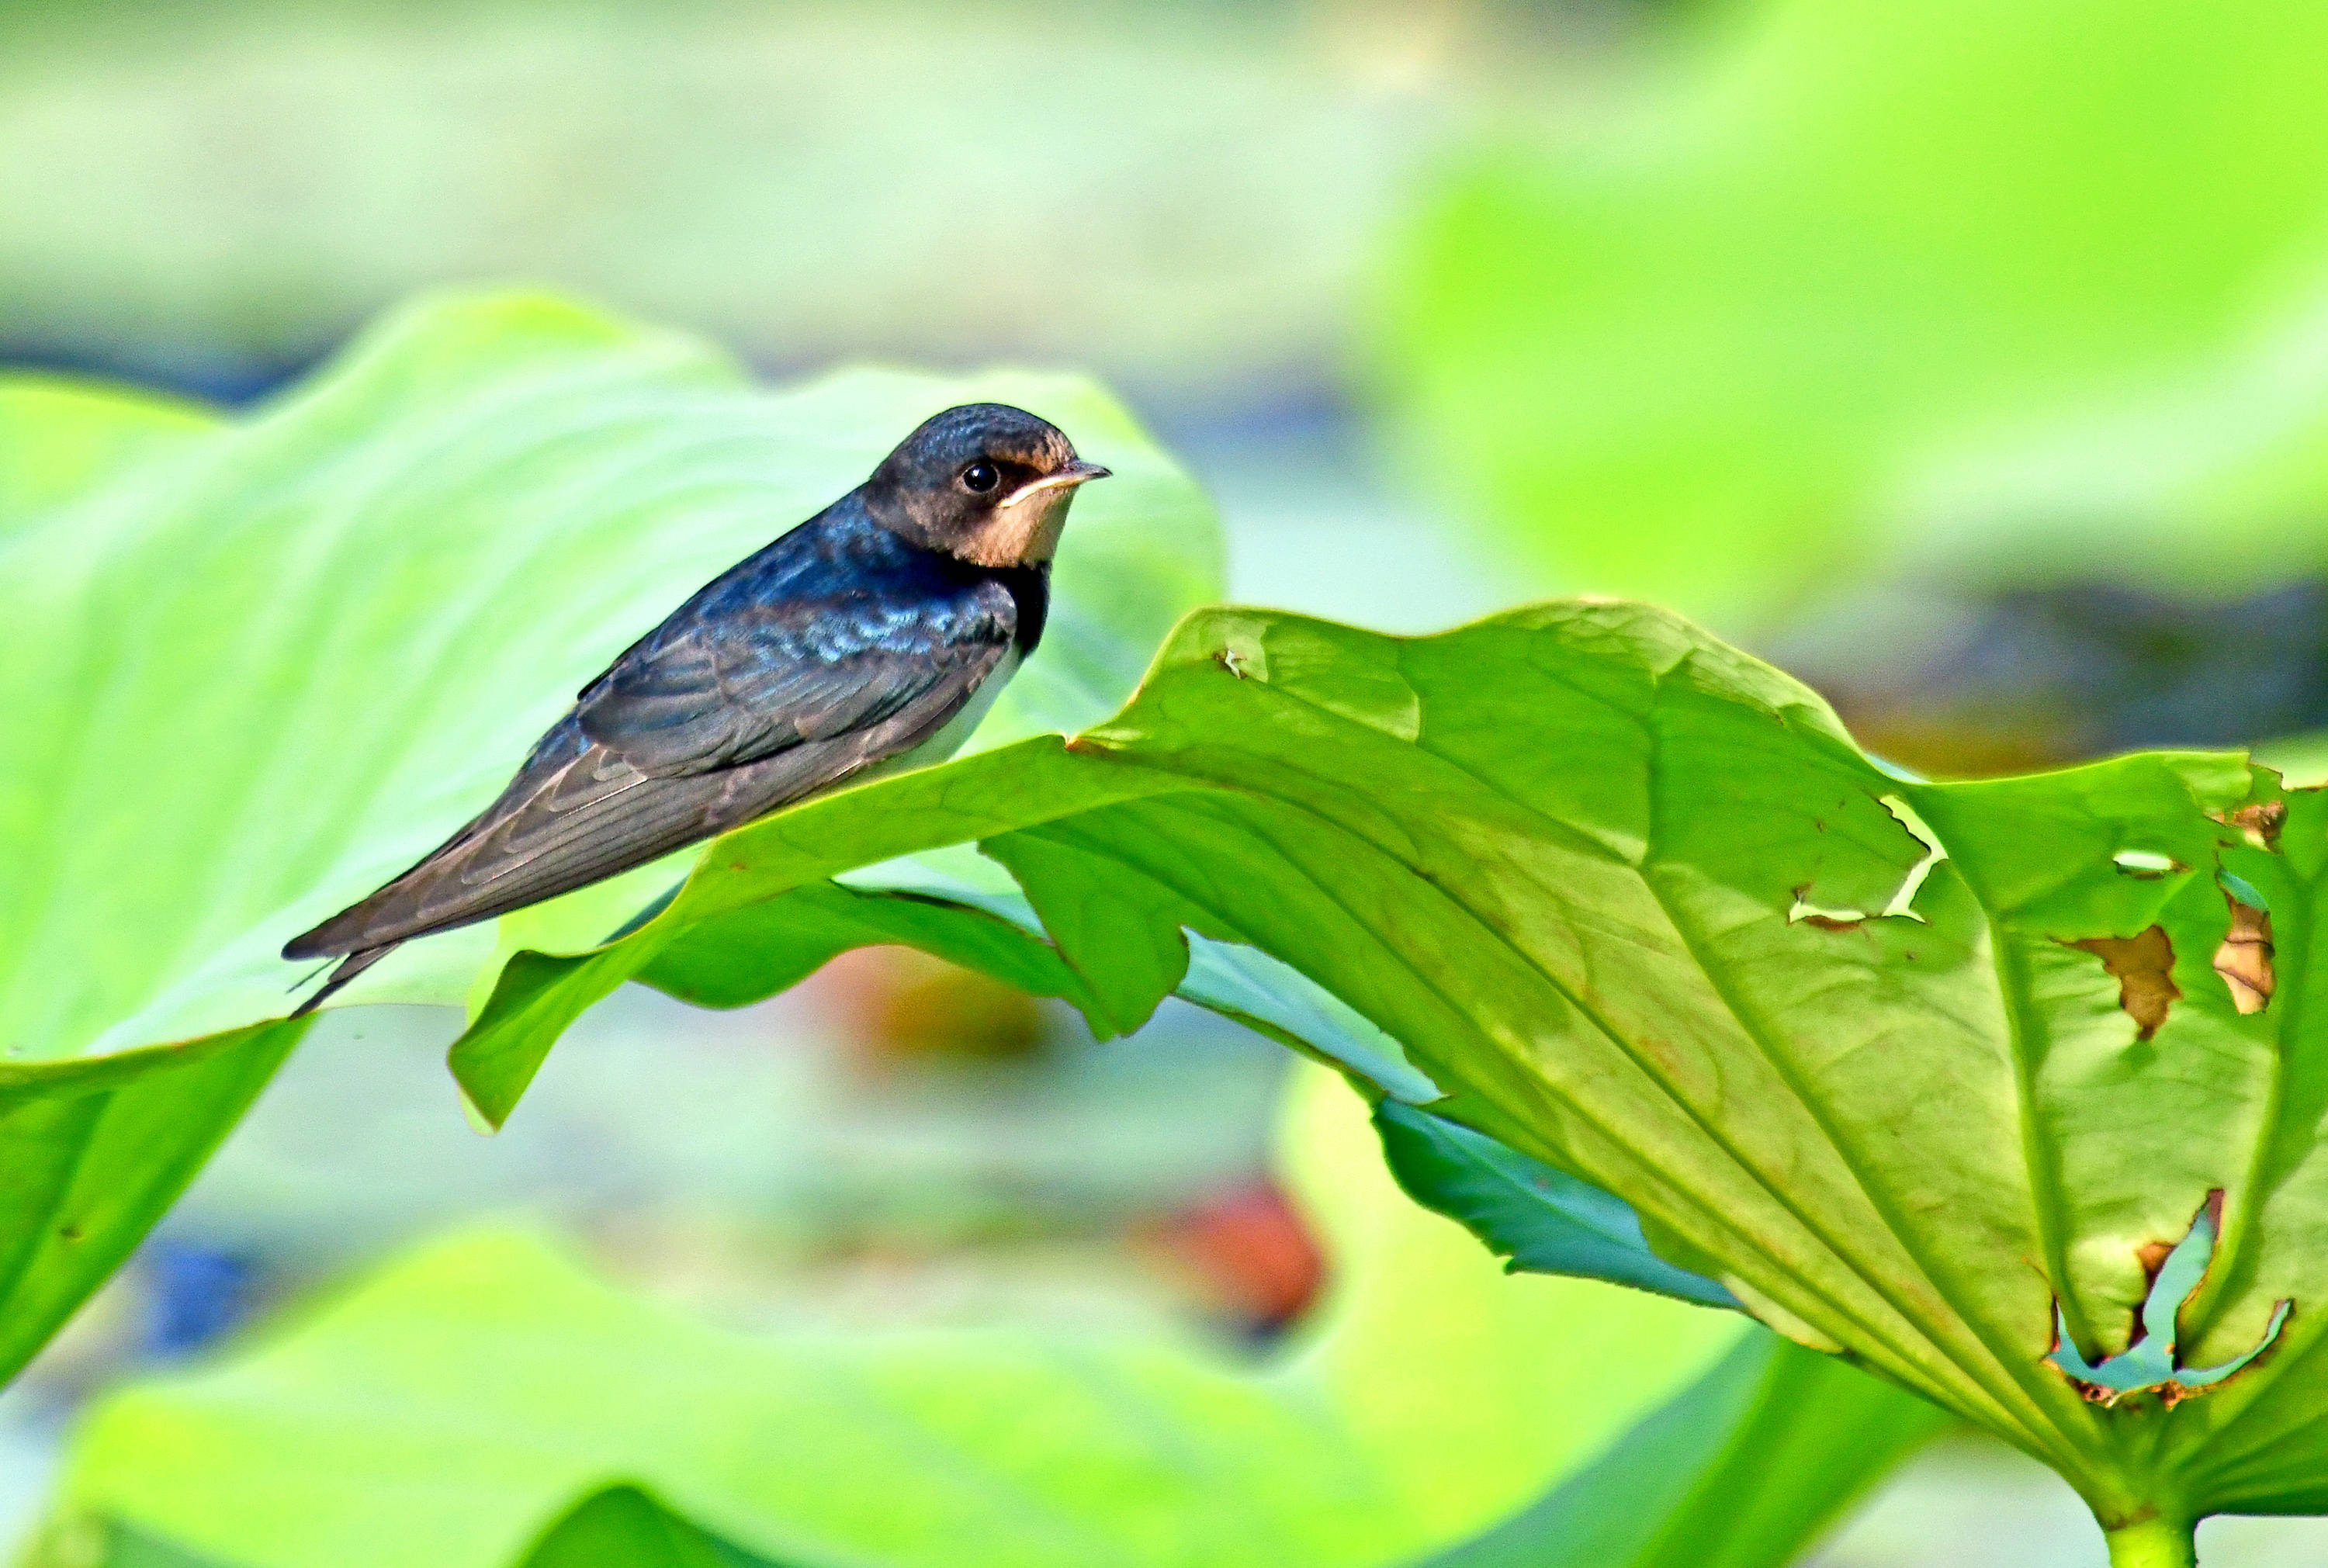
{"type": "Point", "coordinates": [2145, 864]}
{"type": "Point", "coordinates": [1901, 904]}
{"type": "Point", "coordinates": [2147, 1364]}
{"type": "Point", "coordinates": [2260, 822]}
{"type": "Point", "coordinates": [2244, 960]}
{"type": "Point", "coordinates": [1802, 912]}
{"type": "Point", "coordinates": [2142, 965]}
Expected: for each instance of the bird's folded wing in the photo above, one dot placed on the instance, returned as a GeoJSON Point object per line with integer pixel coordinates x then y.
{"type": "Point", "coordinates": [718, 693]}
{"type": "Point", "coordinates": [679, 741]}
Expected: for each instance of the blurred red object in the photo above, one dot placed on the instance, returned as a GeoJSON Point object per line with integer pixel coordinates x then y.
{"type": "Point", "coordinates": [1249, 1251]}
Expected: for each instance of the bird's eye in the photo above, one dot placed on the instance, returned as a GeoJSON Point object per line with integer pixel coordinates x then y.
{"type": "Point", "coordinates": [980, 477]}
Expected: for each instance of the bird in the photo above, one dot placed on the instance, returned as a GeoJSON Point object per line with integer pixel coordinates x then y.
{"type": "Point", "coordinates": [870, 638]}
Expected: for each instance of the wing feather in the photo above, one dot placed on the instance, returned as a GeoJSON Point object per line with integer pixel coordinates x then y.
{"type": "Point", "coordinates": [716, 693]}
{"type": "Point", "coordinates": [700, 727]}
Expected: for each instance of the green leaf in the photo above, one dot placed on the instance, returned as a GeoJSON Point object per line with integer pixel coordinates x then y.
{"type": "Point", "coordinates": [1543, 1220]}
{"type": "Point", "coordinates": [626, 1526]}
{"type": "Point", "coordinates": [1844, 288]}
{"type": "Point", "coordinates": [58, 437]}
{"type": "Point", "coordinates": [2149, 1364]}
{"type": "Point", "coordinates": [1744, 1468]}
{"type": "Point", "coordinates": [444, 1411]}
{"type": "Point", "coordinates": [96, 1149]}
{"type": "Point", "coordinates": [422, 554]}
{"type": "Point", "coordinates": [114, 1545]}
{"type": "Point", "coordinates": [620, 1526]}
{"type": "Point", "coordinates": [257, 667]}
{"type": "Point", "coordinates": [1899, 1065]}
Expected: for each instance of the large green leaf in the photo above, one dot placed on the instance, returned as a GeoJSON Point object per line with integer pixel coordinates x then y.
{"type": "Point", "coordinates": [1740, 1468]}
{"type": "Point", "coordinates": [93, 1149]}
{"type": "Point", "coordinates": [447, 1409]}
{"type": "Point", "coordinates": [256, 668]}
{"type": "Point", "coordinates": [60, 437]}
{"type": "Point", "coordinates": [1743, 1468]}
{"type": "Point", "coordinates": [1847, 287]}
{"type": "Point", "coordinates": [1900, 1064]}
{"type": "Point", "coordinates": [1690, 1486]}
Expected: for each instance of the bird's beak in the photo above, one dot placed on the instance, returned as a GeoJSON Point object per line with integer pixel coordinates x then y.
{"type": "Point", "coordinates": [1073, 474]}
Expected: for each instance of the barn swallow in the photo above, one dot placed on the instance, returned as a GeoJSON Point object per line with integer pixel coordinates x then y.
{"type": "Point", "coordinates": [874, 635]}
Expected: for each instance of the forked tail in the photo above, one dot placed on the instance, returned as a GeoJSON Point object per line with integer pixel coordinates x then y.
{"type": "Point", "coordinates": [353, 965]}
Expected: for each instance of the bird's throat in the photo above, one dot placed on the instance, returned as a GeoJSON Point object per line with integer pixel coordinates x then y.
{"type": "Point", "coordinates": [1023, 534]}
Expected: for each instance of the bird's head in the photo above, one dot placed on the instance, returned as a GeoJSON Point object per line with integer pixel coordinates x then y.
{"type": "Point", "coordinates": [985, 483]}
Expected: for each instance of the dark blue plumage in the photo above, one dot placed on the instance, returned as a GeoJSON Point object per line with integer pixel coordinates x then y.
{"type": "Point", "coordinates": [863, 636]}
{"type": "Point", "coordinates": [836, 624]}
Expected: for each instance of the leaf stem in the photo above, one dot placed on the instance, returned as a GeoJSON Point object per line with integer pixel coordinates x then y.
{"type": "Point", "coordinates": [2152, 1542]}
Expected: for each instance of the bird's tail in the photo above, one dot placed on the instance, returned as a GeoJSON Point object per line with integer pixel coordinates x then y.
{"type": "Point", "coordinates": [353, 965]}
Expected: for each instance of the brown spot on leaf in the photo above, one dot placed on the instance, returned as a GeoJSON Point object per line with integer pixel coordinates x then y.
{"type": "Point", "coordinates": [2244, 960]}
{"type": "Point", "coordinates": [2260, 822]}
{"type": "Point", "coordinates": [1231, 660]}
{"type": "Point", "coordinates": [2152, 1255]}
{"type": "Point", "coordinates": [1662, 1053]}
{"type": "Point", "coordinates": [2144, 967]}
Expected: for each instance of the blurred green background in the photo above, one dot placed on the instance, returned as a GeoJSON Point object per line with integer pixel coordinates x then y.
{"type": "Point", "coordinates": [1967, 359]}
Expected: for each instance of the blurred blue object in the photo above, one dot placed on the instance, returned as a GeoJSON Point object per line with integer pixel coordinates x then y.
{"type": "Point", "coordinates": [193, 1294]}
{"type": "Point", "coordinates": [2031, 677]}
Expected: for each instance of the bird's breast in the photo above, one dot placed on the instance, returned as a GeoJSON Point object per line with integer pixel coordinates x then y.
{"type": "Point", "coordinates": [951, 736]}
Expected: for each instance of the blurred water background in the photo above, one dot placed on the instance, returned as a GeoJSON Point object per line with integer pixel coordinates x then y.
{"type": "Point", "coordinates": [1200, 203]}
